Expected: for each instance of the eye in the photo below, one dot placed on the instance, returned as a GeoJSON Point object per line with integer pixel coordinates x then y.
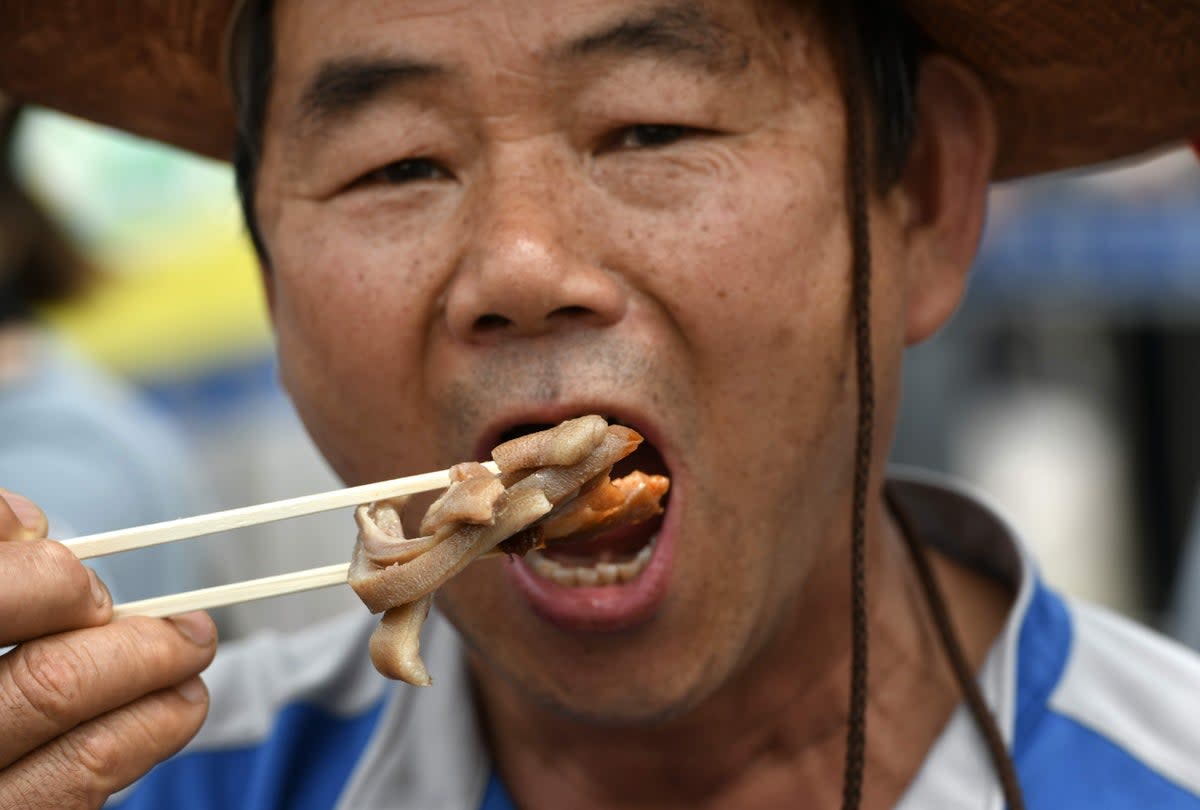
{"type": "Point", "coordinates": [411, 170]}
{"type": "Point", "coordinates": [650, 136]}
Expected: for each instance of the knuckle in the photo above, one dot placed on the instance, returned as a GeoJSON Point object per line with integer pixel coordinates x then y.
{"type": "Point", "coordinates": [97, 752]}
{"type": "Point", "coordinates": [113, 750]}
{"type": "Point", "coordinates": [18, 792]}
{"type": "Point", "coordinates": [157, 648]}
{"type": "Point", "coordinates": [46, 788]}
{"type": "Point", "coordinates": [48, 678]}
{"type": "Point", "coordinates": [66, 566]}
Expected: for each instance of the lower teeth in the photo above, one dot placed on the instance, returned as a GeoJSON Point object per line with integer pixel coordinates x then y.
{"type": "Point", "coordinates": [589, 576]}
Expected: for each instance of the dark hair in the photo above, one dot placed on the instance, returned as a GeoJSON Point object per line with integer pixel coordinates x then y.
{"type": "Point", "coordinates": [253, 65]}
{"type": "Point", "coordinates": [891, 48]}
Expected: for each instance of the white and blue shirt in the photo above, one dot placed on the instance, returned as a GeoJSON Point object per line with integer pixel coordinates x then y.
{"type": "Point", "coordinates": [1099, 714]}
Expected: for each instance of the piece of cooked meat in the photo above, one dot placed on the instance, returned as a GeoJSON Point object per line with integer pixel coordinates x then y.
{"type": "Point", "coordinates": [553, 485]}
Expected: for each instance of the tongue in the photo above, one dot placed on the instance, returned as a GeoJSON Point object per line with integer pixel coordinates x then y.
{"type": "Point", "coordinates": [617, 545]}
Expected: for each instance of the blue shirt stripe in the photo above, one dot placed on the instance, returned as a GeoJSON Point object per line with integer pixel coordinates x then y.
{"type": "Point", "coordinates": [303, 765]}
{"type": "Point", "coordinates": [1061, 763]}
{"type": "Point", "coordinates": [1071, 767]}
{"type": "Point", "coordinates": [1042, 651]}
{"type": "Point", "coordinates": [496, 797]}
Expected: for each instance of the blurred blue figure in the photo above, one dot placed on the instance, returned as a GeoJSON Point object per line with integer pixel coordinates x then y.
{"type": "Point", "coordinates": [73, 439]}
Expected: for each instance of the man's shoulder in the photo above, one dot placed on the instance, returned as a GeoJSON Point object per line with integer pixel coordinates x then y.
{"type": "Point", "coordinates": [290, 716]}
{"type": "Point", "coordinates": [1104, 713]}
{"type": "Point", "coordinates": [1120, 724]}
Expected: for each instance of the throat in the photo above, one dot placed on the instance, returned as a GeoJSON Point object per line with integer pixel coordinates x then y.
{"type": "Point", "coordinates": [685, 769]}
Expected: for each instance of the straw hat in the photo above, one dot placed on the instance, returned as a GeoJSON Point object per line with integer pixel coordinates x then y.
{"type": "Point", "coordinates": [1074, 82]}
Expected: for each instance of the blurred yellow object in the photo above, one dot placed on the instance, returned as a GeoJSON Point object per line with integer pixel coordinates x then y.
{"type": "Point", "coordinates": [179, 294]}
{"type": "Point", "coordinates": [181, 303]}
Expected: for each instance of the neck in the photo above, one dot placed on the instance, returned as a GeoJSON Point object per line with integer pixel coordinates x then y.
{"type": "Point", "coordinates": [775, 735]}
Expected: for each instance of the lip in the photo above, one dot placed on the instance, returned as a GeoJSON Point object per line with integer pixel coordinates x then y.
{"type": "Point", "coordinates": [607, 608]}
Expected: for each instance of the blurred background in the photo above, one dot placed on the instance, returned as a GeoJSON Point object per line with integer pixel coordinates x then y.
{"type": "Point", "coordinates": [1065, 388]}
{"type": "Point", "coordinates": [176, 318]}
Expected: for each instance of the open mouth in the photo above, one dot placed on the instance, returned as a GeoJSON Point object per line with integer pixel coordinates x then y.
{"type": "Point", "coordinates": [552, 487]}
{"type": "Point", "coordinates": [614, 557]}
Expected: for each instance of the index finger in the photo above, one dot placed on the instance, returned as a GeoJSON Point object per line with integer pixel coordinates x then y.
{"type": "Point", "coordinates": [44, 589]}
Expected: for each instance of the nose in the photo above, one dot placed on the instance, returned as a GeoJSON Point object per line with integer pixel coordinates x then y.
{"type": "Point", "coordinates": [525, 271]}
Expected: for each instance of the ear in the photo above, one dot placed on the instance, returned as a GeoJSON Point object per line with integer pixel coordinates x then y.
{"type": "Point", "coordinates": [944, 191]}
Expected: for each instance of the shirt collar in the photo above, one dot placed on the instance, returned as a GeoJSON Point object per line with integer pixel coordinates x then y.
{"type": "Point", "coordinates": [1025, 661]}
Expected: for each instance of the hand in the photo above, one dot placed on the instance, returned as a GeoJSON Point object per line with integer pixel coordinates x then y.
{"type": "Point", "coordinates": [87, 705]}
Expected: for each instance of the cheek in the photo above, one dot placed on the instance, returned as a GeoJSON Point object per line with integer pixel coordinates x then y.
{"type": "Point", "coordinates": [750, 262]}
{"type": "Point", "coordinates": [758, 282]}
{"type": "Point", "coordinates": [754, 275]}
{"type": "Point", "coordinates": [350, 317]}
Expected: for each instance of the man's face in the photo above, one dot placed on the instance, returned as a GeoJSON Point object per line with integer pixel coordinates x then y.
{"type": "Point", "coordinates": [484, 216]}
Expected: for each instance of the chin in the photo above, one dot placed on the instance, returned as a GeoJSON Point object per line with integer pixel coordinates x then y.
{"type": "Point", "coordinates": [635, 677]}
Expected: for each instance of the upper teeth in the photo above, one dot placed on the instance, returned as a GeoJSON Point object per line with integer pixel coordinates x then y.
{"type": "Point", "coordinates": [601, 573]}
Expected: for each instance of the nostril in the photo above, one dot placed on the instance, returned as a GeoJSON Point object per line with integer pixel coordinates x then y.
{"type": "Point", "coordinates": [570, 313]}
{"type": "Point", "coordinates": [491, 322]}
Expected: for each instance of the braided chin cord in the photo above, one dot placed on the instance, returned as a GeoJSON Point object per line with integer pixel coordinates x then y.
{"type": "Point", "coordinates": [860, 237]}
{"type": "Point", "coordinates": [858, 183]}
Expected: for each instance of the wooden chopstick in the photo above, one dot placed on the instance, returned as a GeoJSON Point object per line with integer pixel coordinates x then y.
{"type": "Point", "coordinates": [238, 592]}
{"type": "Point", "coordinates": [97, 545]}
{"type": "Point", "coordinates": [234, 593]}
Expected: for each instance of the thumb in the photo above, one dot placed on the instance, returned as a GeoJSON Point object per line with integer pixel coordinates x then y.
{"type": "Point", "coordinates": [20, 518]}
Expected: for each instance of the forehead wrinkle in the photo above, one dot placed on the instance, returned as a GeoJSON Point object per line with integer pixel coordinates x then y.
{"type": "Point", "coordinates": [678, 31]}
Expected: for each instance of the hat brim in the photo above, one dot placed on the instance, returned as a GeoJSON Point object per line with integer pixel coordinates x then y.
{"type": "Point", "coordinates": [1073, 83]}
{"type": "Point", "coordinates": [1076, 83]}
{"type": "Point", "coordinates": [151, 67]}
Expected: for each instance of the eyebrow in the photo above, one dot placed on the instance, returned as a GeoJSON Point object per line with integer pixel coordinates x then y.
{"type": "Point", "coordinates": [675, 31]}
{"type": "Point", "coordinates": [342, 86]}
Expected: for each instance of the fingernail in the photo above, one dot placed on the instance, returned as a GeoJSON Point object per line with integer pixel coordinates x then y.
{"type": "Point", "coordinates": [197, 627]}
{"type": "Point", "coordinates": [193, 691]}
{"type": "Point", "coordinates": [99, 592]}
{"type": "Point", "coordinates": [25, 509]}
